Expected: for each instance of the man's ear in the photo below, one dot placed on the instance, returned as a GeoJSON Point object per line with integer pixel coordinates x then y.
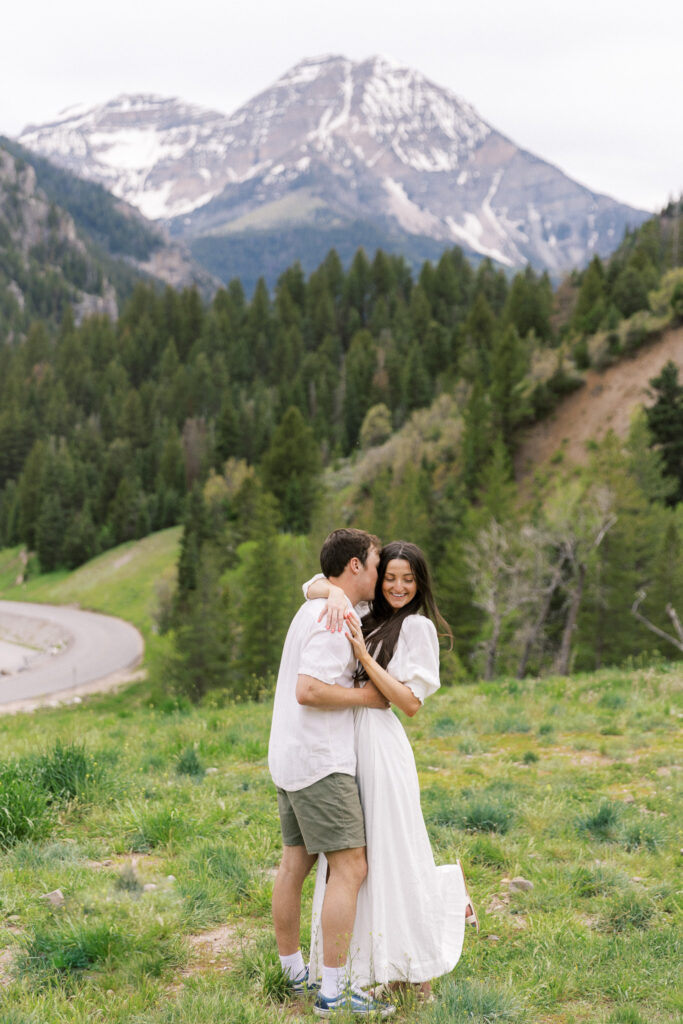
{"type": "Point", "coordinates": [355, 565]}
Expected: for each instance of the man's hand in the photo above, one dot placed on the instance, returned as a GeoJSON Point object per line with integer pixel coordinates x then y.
{"type": "Point", "coordinates": [373, 698]}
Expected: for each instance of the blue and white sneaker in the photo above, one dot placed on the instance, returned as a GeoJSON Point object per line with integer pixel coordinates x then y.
{"type": "Point", "coordinates": [299, 986]}
{"type": "Point", "coordinates": [353, 1000]}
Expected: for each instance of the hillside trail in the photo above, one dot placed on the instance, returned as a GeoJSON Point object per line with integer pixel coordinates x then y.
{"type": "Point", "coordinates": [607, 401]}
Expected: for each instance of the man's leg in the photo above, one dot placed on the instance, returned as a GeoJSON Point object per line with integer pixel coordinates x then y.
{"type": "Point", "coordinates": [294, 866]}
{"type": "Point", "coordinates": [348, 869]}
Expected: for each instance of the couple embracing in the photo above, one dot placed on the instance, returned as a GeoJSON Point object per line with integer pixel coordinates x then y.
{"type": "Point", "coordinates": [347, 785]}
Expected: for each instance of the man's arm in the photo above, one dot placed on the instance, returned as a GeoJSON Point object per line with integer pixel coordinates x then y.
{"type": "Point", "coordinates": [314, 693]}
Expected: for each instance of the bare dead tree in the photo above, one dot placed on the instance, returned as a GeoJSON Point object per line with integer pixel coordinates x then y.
{"type": "Point", "coordinates": [591, 520]}
{"type": "Point", "coordinates": [499, 583]}
{"type": "Point", "coordinates": [670, 611]}
{"type": "Point", "coordinates": [546, 576]}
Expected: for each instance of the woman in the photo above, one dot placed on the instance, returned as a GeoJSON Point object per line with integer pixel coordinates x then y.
{"type": "Point", "coordinates": [411, 914]}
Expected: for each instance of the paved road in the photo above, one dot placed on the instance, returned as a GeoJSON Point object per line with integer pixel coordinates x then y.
{"type": "Point", "coordinates": [88, 647]}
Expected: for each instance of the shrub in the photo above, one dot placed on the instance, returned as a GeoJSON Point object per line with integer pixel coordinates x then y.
{"type": "Point", "coordinates": [613, 343]}
{"type": "Point", "coordinates": [469, 745]}
{"type": "Point", "coordinates": [647, 833]}
{"type": "Point", "coordinates": [596, 881]}
{"type": "Point", "coordinates": [188, 763]}
{"type": "Point", "coordinates": [206, 901]}
{"type": "Point", "coordinates": [155, 828]}
{"type": "Point", "coordinates": [636, 336]}
{"type": "Point", "coordinates": [67, 771]}
{"type": "Point", "coordinates": [70, 946]}
{"type": "Point", "coordinates": [486, 812]}
{"type": "Point", "coordinates": [24, 809]}
{"type": "Point", "coordinates": [444, 726]}
{"type": "Point", "coordinates": [626, 1015]}
{"type": "Point", "coordinates": [439, 807]}
{"type": "Point", "coordinates": [260, 964]}
{"type": "Point", "coordinates": [512, 723]}
{"type": "Point", "coordinates": [581, 355]}
{"type": "Point", "coordinates": [225, 862]}
{"type": "Point", "coordinates": [477, 1002]}
{"type": "Point", "coordinates": [600, 823]}
{"type": "Point", "coordinates": [127, 880]}
{"type": "Point", "coordinates": [530, 757]}
{"type": "Point", "coordinates": [484, 851]}
{"type": "Point", "coordinates": [215, 879]}
{"type": "Point", "coordinates": [612, 701]}
{"type": "Point", "coordinates": [631, 910]}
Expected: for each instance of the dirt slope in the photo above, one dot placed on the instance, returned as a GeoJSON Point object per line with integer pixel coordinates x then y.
{"type": "Point", "coordinates": [606, 402]}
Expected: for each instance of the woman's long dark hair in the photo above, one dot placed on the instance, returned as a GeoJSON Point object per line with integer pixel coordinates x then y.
{"type": "Point", "coordinates": [382, 625]}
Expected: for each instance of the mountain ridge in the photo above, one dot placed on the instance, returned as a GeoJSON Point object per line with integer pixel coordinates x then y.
{"type": "Point", "coordinates": [342, 142]}
{"type": "Point", "coordinates": [124, 243]}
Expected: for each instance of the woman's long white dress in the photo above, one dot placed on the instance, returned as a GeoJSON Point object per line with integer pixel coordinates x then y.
{"type": "Point", "coordinates": [410, 920]}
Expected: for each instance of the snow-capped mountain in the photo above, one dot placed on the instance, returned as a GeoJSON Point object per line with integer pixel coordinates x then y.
{"type": "Point", "coordinates": [333, 144]}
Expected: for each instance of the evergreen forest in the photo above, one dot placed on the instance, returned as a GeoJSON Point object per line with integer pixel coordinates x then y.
{"type": "Point", "coordinates": [366, 395]}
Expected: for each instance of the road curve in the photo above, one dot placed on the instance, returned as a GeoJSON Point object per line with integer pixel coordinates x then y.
{"type": "Point", "coordinates": [91, 647]}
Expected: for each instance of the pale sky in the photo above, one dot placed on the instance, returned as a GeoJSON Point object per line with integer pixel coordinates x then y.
{"type": "Point", "coordinates": [593, 86]}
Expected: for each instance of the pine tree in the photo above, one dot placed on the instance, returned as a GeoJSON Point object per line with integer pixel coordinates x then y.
{"type": "Point", "coordinates": [477, 438]}
{"type": "Point", "coordinates": [194, 535]}
{"type": "Point", "coordinates": [529, 305]}
{"type": "Point", "coordinates": [417, 386]}
{"type": "Point", "coordinates": [291, 470]}
{"type": "Point", "coordinates": [360, 365]}
{"type": "Point", "coordinates": [30, 493]}
{"type": "Point", "coordinates": [509, 366]}
{"type": "Point", "coordinates": [80, 540]}
{"type": "Point", "coordinates": [264, 611]}
{"type": "Point", "coordinates": [50, 531]}
{"type": "Point", "coordinates": [203, 650]}
{"type": "Point", "coordinates": [477, 340]}
{"type": "Point", "coordinates": [591, 301]}
{"type": "Point", "coordinates": [665, 420]}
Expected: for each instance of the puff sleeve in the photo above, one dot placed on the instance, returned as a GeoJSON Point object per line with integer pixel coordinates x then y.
{"type": "Point", "coordinates": [416, 659]}
{"type": "Point", "coordinates": [306, 585]}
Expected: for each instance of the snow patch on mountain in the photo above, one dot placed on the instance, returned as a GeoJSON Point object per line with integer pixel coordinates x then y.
{"type": "Point", "coordinates": [472, 234]}
{"type": "Point", "coordinates": [409, 215]}
{"type": "Point", "coordinates": [372, 140]}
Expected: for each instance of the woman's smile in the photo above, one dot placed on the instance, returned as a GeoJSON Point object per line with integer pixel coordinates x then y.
{"type": "Point", "coordinates": [398, 586]}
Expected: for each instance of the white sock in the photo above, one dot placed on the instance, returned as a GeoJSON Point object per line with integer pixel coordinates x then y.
{"type": "Point", "coordinates": [293, 965]}
{"type": "Point", "coordinates": [335, 980]}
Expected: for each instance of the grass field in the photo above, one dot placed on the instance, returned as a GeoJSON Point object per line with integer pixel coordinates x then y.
{"type": "Point", "coordinates": [573, 784]}
{"type": "Point", "coordinates": [157, 821]}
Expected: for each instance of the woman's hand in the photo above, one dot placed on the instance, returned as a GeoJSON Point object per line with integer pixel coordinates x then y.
{"type": "Point", "coordinates": [336, 608]}
{"type": "Point", "coordinates": [355, 636]}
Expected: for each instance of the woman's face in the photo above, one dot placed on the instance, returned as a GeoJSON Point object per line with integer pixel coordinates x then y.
{"type": "Point", "coordinates": [398, 585]}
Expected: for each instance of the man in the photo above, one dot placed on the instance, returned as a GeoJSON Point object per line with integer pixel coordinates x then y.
{"type": "Point", "coordinates": [312, 761]}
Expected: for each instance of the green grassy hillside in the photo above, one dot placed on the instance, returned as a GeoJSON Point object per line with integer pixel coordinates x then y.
{"type": "Point", "coordinates": [121, 582]}
{"type": "Point", "coordinates": [159, 826]}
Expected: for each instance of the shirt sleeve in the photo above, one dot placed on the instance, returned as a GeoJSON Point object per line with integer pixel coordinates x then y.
{"type": "Point", "coordinates": [416, 659]}
{"type": "Point", "coordinates": [361, 609]}
{"type": "Point", "coordinates": [318, 576]}
{"type": "Point", "coordinates": [326, 656]}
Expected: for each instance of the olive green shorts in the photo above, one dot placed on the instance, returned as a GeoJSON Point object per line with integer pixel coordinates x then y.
{"type": "Point", "coordinates": [323, 817]}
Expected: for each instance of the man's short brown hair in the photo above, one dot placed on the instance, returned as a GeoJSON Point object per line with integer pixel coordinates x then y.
{"type": "Point", "coordinates": [343, 545]}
